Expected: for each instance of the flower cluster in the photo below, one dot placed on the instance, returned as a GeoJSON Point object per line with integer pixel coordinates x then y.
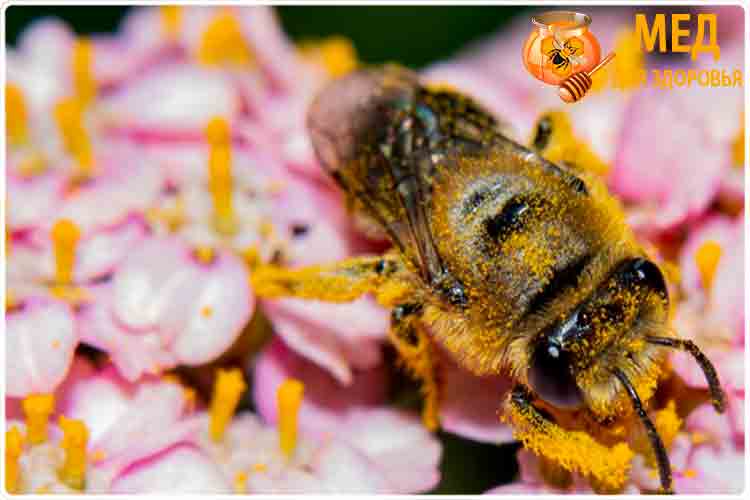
{"type": "Point", "coordinates": [150, 171]}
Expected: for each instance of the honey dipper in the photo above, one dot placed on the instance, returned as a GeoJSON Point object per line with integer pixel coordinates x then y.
{"type": "Point", "coordinates": [574, 87]}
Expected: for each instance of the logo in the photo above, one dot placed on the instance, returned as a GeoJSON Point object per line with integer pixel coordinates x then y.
{"type": "Point", "coordinates": [561, 51]}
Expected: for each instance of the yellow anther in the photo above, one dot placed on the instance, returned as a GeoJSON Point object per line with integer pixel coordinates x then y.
{"type": "Point", "coordinates": [13, 450]}
{"type": "Point", "coordinates": [69, 118]}
{"type": "Point", "coordinates": [240, 482]}
{"type": "Point", "coordinates": [260, 467]}
{"type": "Point", "coordinates": [65, 236]}
{"type": "Point", "coordinates": [289, 399]}
{"type": "Point", "coordinates": [74, 442]}
{"type": "Point", "coordinates": [228, 387]}
{"type": "Point", "coordinates": [336, 54]}
{"type": "Point", "coordinates": [689, 473]}
{"type": "Point", "coordinates": [205, 254]}
{"type": "Point", "coordinates": [220, 182]}
{"type": "Point", "coordinates": [83, 74]}
{"type": "Point", "coordinates": [223, 42]}
{"type": "Point", "coordinates": [738, 147]}
{"type": "Point", "coordinates": [37, 408]}
{"type": "Point", "coordinates": [707, 259]}
{"type": "Point", "coordinates": [16, 116]}
{"type": "Point", "coordinates": [171, 20]}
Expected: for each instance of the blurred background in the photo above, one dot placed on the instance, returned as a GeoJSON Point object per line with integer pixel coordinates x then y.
{"type": "Point", "coordinates": [412, 36]}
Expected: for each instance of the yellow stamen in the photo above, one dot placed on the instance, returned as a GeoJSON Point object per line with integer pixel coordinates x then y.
{"type": "Point", "coordinates": [336, 54]}
{"type": "Point", "coordinates": [289, 399]}
{"type": "Point", "coordinates": [13, 450]}
{"type": "Point", "coordinates": [16, 116]}
{"type": "Point", "coordinates": [240, 482]}
{"type": "Point", "coordinates": [228, 388]}
{"type": "Point", "coordinates": [69, 118]}
{"type": "Point", "coordinates": [707, 259]}
{"type": "Point", "coordinates": [205, 254]}
{"type": "Point", "coordinates": [65, 236]}
{"type": "Point", "coordinates": [260, 467]}
{"type": "Point", "coordinates": [220, 175]}
{"type": "Point", "coordinates": [74, 441]}
{"type": "Point", "coordinates": [37, 408]}
{"type": "Point", "coordinates": [738, 147]}
{"type": "Point", "coordinates": [171, 20]}
{"type": "Point", "coordinates": [223, 43]}
{"type": "Point", "coordinates": [83, 75]}
{"type": "Point", "coordinates": [689, 473]}
{"type": "Point", "coordinates": [575, 451]}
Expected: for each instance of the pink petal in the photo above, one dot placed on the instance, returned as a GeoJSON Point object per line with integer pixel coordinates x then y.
{"type": "Point", "coordinates": [322, 345]}
{"type": "Point", "coordinates": [673, 177]}
{"type": "Point", "coordinates": [178, 98]}
{"type": "Point", "coordinates": [326, 401]}
{"type": "Point", "coordinates": [41, 341]}
{"type": "Point", "coordinates": [471, 404]}
{"type": "Point", "coordinates": [398, 443]}
{"type": "Point", "coordinates": [181, 469]}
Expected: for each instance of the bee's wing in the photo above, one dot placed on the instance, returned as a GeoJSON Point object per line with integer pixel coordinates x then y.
{"type": "Point", "coordinates": [354, 127]}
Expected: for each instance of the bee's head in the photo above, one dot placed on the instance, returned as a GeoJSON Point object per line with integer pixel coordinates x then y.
{"type": "Point", "coordinates": [572, 360]}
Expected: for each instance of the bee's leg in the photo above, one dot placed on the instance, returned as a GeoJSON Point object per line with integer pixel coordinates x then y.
{"type": "Point", "coordinates": [575, 451]}
{"type": "Point", "coordinates": [554, 139]}
{"type": "Point", "coordinates": [417, 352]}
{"type": "Point", "coordinates": [343, 281]}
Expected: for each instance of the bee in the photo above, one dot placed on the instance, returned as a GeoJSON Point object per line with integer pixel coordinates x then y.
{"type": "Point", "coordinates": [564, 54]}
{"type": "Point", "coordinates": [508, 262]}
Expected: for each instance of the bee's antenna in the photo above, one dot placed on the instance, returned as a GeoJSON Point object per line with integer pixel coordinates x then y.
{"type": "Point", "coordinates": [718, 399]}
{"type": "Point", "coordinates": [662, 459]}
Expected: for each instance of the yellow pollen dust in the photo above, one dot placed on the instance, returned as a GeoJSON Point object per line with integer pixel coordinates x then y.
{"type": "Point", "coordinates": [65, 236]}
{"type": "Point", "coordinates": [74, 441]}
{"type": "Point", "coordinates": [13, 450]}
{"type": "Point", "coordinates": [37, 408]}
{"type": "Point", "coordinates": [336, 54]}
{"type": "Point", "coordinates": [228, 387]}
{"type": "Point", "coordinates": [16, 116]}
{"type": "Point", "coordinates": [689, 473]}
{"type": "Point", "coordinates": [223, 43]}
{"type": "Point", "coordinates": [707, 259]}
{"type": "Point", "coordinates": [76, 140]}
{"type": "Point", "coordinates": [83, 74]}
{"type": "Point", "coordinates": [574, 451]}
{"type": "Point", "coordinates": [289, 398]}
{"type": "Point", "coordinates": [171, 20]}
{"type": "Point", "coordinates": [220, 182]}
{"type": "Point", "coordinates": [564, 147]}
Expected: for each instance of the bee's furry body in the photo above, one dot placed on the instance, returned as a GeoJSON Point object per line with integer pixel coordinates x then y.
{"type": "Point", "coordinates": [512, 263]}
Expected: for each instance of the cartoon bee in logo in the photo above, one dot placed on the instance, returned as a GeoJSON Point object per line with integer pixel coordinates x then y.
{"type": "Point", "coordinates": [511, 263]}
{"type": "Point", "coordinates": [563, 55]}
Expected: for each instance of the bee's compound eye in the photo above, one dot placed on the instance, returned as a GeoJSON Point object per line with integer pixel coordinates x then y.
{"type": "Point", "coordinates": [551, 378]}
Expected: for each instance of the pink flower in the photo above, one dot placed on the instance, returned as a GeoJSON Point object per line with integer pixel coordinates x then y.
{"type": "Point", "coordinates": [134, 437]}
{"type": "Point", "coordinates": [393, 441]}
{"type": "Point", "coordinates": [40, 340]}
{"type": "Point", "coordinates": [168, 304]}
